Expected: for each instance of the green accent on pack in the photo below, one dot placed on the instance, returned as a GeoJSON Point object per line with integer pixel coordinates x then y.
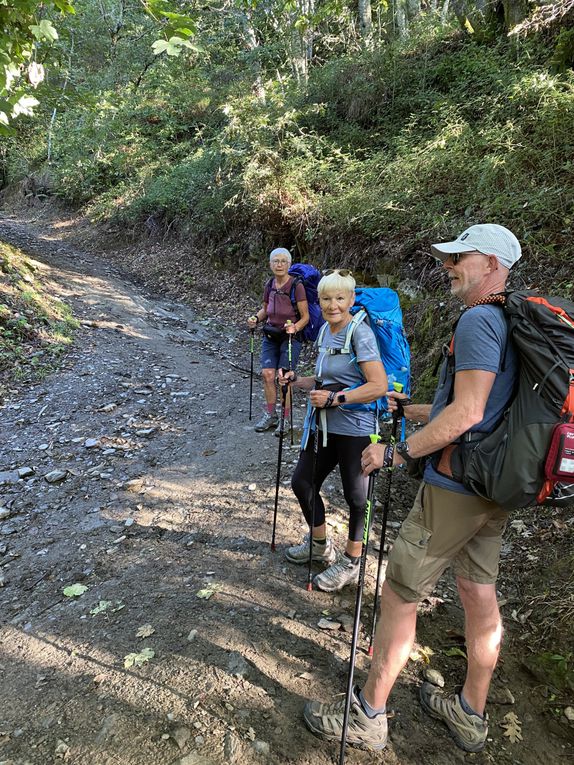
{"type": "Point", "coordinates": [367, 523]}
{"type": "Point", "coordinates": [375, 438]}
{"type": "Point", "coordinates": [398, 387]}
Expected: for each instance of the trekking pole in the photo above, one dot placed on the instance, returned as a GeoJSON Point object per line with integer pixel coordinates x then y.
{"type": "Point", "coordinates": [318, 386]}
{"type": "Point", "coordinates": [360, 584]}
{"type": "Point", "coordinates": [290, 360]}
{"type": "Point", "coordinates": [284, 389]}
{"type": "Point", "coordinates": [386, 504]}
{"type": "Point", "coordinates": [251, 351]}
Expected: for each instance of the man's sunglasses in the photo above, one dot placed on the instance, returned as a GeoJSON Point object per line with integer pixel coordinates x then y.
{"type": "Point", "coordinates": [341, 271]}
{"type": "Point", "coordinates": [456, 257]}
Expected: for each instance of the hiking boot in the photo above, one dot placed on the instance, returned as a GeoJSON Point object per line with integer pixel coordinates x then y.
{"type": "Point", "coordinates": [277, 431]}
{"type": "Point", "coordinates": [468, 731]}
{"type": "Point", "coordinates": [266, 422]}
{"type": "Point", "coordinates": [322, 553]}
{"type": "Point", "coordinates": [338, 575]}
{"type": "Point", "coordinates": [363, 732]}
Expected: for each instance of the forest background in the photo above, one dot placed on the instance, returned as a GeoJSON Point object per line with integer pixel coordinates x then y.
{"type": "Point", "coordinates": [353, 133]}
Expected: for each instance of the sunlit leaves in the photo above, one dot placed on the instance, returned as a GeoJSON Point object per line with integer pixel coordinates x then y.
{"type": "Point", "coordinates": [30, 28]}
{"type": "Point", "coordinates": [137, 659]}
{"type": "Point", "coordinates": [35, 73]}
{"type": "Point", "coordinates": [74, 590]}
{"type": "Point", "coordinates": [177, 27]}
{"type": "Point", "coordinates": [173, 46]}
{"type": "Point", "coordinates": [25, 105]}
{"type": "Point", "coordinates": [44, 31]}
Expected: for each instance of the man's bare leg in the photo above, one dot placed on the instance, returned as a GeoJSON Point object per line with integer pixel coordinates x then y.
{"type": "Point", "coordinates": [483, 631]}
{"type": "Point", "coordinates": [393, 643]}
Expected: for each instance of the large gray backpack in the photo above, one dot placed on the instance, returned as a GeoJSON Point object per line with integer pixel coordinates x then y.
{"type": "Point", "coordinates": [528, 459]}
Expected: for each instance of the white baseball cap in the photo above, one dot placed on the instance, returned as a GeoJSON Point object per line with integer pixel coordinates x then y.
{"type": "Point", "coordinates": [488, 238]}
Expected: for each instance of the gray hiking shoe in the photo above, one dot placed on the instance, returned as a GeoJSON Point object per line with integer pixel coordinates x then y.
{"type": "Point", "coordinates": [337, 576]}
{"type": "Point", "coordinates": [322, 553]}
{"type": "Point", "coordinates": [468, 731]}
{"type": "Point", "coordinates": [277, 431]}
{"type": "Point", "coordinates": [363, 732]}
{"type": "Point", "coordinates": [266, 422]}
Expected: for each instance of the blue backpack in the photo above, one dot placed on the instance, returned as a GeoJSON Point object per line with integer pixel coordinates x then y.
{"type": "Point", "coordinates": [381, 309]}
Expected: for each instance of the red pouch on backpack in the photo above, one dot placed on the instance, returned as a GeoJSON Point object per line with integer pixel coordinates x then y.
{"type": "Point", "coordinates": [559, 465]}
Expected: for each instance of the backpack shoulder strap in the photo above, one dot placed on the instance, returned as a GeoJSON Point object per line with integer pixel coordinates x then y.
{"type": "Point", "coordinates": [296, 280]}
{"type": "Point", "coordinates": [321, 336]}
{"type": "Point", "coordinates": [357, 319]}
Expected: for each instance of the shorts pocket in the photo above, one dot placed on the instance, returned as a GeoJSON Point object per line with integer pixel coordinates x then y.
{"type": "Point", "coordinates": [408, 562]}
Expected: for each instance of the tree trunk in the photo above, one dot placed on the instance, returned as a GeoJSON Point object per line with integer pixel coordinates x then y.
{"type": "Point", "coordinates": [365, 21]}
{"type": "Point", "coordinates": [302, 36]}
{"type": "Point", "coordinates": [252, 45]}
{"type": "Point", "coordinates": [478, 16]}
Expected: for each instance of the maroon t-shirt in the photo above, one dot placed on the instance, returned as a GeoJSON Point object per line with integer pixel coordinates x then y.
{"type": "Point", "coordinates": [278, 302]}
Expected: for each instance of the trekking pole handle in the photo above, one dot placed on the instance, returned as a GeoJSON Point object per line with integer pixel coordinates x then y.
{"type": "Point", "coordinates": [401, 403]}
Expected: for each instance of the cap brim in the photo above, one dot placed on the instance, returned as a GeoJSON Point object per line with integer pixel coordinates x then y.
{"type": "Point", "coordinates": [445, 249]}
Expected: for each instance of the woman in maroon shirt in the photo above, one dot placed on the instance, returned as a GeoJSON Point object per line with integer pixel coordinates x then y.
{"type": "Point", "coordinates": [280, 321]}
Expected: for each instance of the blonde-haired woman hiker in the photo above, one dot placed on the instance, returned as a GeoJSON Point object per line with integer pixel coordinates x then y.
{"type": "Point", "coordinates": [349, 382]}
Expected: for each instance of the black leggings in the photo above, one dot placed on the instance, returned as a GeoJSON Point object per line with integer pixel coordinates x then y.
{"type": "Point", "coordinates": [344, 451]}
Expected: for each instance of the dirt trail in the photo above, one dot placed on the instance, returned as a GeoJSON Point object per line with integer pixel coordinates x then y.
{"type": "Point", "coordinates": [167, 495]}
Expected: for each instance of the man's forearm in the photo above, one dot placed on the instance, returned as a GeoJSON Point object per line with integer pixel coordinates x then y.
{"type": "Point", "coordinates": [451, 423]}
{"type": "Point", "coordinates": [418, 412]}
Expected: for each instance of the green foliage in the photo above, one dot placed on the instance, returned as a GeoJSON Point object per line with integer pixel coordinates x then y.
{"type": "Point", "coordinates": [563, 58]}
{"type": "Point", "coordinates": [24, 31]}
{"type": "Point", "coordinates": [34, 327]}
{"type": "Point", "coordinates": [557, 669]}
{"type": "Point", "coordinates": [382, 150]}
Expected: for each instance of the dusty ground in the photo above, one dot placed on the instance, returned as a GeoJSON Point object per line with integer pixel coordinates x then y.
{"type": "Point", "coordinates": [167, 495]}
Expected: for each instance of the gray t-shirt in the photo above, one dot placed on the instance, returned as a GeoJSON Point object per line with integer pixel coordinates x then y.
{"type": "Point", "coordinates": [341, 369]}
{"type": "Point", "coordinates": [480, 342]}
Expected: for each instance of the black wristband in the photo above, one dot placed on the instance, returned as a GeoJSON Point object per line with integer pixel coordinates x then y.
{"type": "Point", "coordinates": [388, 458]}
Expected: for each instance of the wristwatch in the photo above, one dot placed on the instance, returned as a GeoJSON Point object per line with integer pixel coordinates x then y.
{"type": "Point", "coordinates": [341, 398]}
{"type": "Point", "coordinates": [402, 449]}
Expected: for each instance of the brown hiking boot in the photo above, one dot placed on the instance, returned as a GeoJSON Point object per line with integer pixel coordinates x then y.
{"type": "Point", "coordinates": [468, 731]}
{"type": "Point", "coordinates": [363, 732]}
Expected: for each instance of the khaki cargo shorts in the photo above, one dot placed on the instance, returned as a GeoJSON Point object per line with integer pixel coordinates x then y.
{"type": "Point", "coordinates": [444, 528]}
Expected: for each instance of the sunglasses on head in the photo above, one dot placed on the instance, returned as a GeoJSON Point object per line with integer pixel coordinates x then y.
{"type": "Point", "coordinates": [341, 271]}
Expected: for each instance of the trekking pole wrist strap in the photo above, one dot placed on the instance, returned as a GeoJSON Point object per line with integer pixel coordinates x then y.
{"type": "Point", "coordinates": [330, 400]}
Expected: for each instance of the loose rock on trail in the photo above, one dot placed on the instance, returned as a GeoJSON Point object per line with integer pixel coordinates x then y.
{"type": "Point", "coordinates": [144, 618]}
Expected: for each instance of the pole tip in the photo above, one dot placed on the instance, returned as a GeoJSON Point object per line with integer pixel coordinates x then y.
{"type": "Point", "coordinates": [272, 546]}
{"type": "Point", "coordinates": [370, 652]}
{"type": "Point", "coordinates": [309, 587]}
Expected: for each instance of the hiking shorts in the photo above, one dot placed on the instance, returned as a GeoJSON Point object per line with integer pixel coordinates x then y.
{"type": "Point", "coordinates": [445, 528]}
{"type": "Point", "coordinates": [275, 355]}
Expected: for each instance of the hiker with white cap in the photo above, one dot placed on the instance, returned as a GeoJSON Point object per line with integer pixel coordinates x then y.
{"type": "Point", "coordinates": [281, 346]}
{"type": "Point", "coordinates": [448, 525]}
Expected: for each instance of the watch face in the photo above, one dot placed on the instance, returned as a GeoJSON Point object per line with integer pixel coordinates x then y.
{"type": "Point", "coordinates": [342, 398]}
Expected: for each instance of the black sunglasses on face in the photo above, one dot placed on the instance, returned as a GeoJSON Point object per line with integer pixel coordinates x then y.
{"type": "Point", "coordinates": [456, 257]}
